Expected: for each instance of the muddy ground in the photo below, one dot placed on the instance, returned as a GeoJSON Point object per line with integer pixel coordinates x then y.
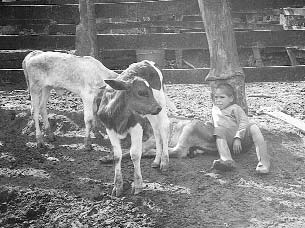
{"type": "Point", "coordinates": [66, 186]}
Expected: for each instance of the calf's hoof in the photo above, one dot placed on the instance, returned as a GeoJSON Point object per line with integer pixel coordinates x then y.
{"type": "Point", "coordinates": [164, 167]}
{"type": "Point", "coordinates": [117, 191]}
{"type": "Point", "coordinates": [137, 191]}
{"type": "Point", "coordinates": [155, 165]}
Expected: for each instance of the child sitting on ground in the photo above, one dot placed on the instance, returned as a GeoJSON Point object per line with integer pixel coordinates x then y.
{"type": "Point", "coordinates": [234, 132]}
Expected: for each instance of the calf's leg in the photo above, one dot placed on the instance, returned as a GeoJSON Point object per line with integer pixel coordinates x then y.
{"type": "Point", "coordinates": [88, 118]}
{"type": "Point", "coordinates": [43, 110]}
{"type": "Point", "coordinates": [136, 134]}
{"type": "Point", "coordinates": [160, 124]}
{"type": "Point", "coordinates": [35, 101]}
{"type": "Point", "coordinates": [117, 156]}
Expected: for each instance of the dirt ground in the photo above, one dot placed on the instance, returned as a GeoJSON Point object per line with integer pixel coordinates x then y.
{"type": "Point", "coordinates": [66, 186]}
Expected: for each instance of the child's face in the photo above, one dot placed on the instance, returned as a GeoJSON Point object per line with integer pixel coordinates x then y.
{"type": "Point", "coordinates": [222, 100]}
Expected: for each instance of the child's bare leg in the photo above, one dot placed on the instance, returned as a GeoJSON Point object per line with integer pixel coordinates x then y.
{"type": "Point", "coordinates": [263, 157]}
{"type": "Point", "coordinates": [223, 149]}
{"type": "Point", "coordinates": [226, 161]}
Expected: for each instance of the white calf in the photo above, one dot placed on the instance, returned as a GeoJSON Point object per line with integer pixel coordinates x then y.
{"type": "Point", "coordinates": [83, 76]}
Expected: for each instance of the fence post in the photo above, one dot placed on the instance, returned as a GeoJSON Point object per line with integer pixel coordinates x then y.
{"type": "Point", "coordinates": [86, 38]}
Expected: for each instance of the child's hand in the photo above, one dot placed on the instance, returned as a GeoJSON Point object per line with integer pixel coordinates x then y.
{"type": "Point", "coordinates": [237, 146]}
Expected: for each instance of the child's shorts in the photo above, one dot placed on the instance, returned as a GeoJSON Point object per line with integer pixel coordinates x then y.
{"type": "Point", "coordinates": [229, 134]}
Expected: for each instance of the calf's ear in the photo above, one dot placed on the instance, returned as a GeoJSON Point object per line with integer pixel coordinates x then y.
{"type": "Point", "coordinates": [118, 84]}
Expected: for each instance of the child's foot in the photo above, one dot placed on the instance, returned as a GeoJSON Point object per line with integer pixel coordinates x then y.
{"type": "Point", "coordinates": [262, 169]}
{"type": "Point", "coordinates": [221, 165]}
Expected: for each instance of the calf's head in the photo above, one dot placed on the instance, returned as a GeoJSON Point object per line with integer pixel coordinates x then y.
{"type": "Point", "coordinates": [139, 95]}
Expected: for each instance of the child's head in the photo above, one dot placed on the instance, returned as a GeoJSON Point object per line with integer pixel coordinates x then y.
{"type": "Point", "coordinates": [224, 95]}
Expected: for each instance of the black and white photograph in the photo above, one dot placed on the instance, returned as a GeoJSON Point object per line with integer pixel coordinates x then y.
{"type": "Point", "coordinates": [152, 113]}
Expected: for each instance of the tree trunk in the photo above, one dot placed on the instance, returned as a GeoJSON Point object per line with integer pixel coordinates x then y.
{"type": "Point", "coordinates": [224, 61]}
{"type": "Point", "coordinates": [86, 41]}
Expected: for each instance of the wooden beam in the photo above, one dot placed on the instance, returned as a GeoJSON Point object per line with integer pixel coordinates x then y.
{"type": "Point", "coordinates": [40, 2]}
{"type": "Point", "coordinates": [263, 4]}
{"type": "Point", "coordinates": [43, 42]}
{"type": "Point", "coordinates": [286, 118]}
{"type": "Point", "coordinates": [41, 29]}
{"type": "Point", "coordinates": [294, 11]}
{"type": "Point", "coordinates": [105, 26]}
{"type": "Point", "coordinates": [198, 40]}
{"type": "Point", "coordinates": [181, 7]}
{"type": "Point", "coordinates": [138, 8]}
{"type": "Point", "coordinates": [195, 76]}
{"type": "Point", "coordinates": [60, 14]}
{"type": "Point", "coordinates": [146, 9]}
{"type": "Point", "coordinates": [174, 41]}
{"type": "Point", "coordinates": [14, 21]}
{"type": "Point", "coordinates": [288, 38]}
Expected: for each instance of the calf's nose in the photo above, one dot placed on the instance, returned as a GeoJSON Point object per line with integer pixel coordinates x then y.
{"type": "Point", "coordinates": [157, 111]}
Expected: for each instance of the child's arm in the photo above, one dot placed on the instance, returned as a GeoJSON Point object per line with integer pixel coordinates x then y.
{"type": "Point", "coordinates": [242, 121]}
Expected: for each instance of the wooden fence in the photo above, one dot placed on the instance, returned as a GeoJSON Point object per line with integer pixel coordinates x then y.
{"type": "Point", "coordinates": [173, 27]}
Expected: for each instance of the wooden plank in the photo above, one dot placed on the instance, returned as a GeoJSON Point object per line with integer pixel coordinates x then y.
{"type": "Point", "coordinates": [288, 38]}
{"type": "Point", "coordinates": [105, 26]}
{"type": "Point", "coordinates": [12, 59]}
{"type": "Point", "coordinates": [264, 4]}
{"type": "Point", "coordinates": [253, 74]}
{"type": "Point", "coordinates": [294, 11]}
{"type": "Point", "coordinates": [40, 2]}
{"type": "Point", "coordinates": [132, 7]}
{"type": "Point", "coordinates": [7, 21]}
{"type": "Point", "coordinates": [146, 9]}
{"type": "Point", "coordinates": [43, 42]}
{"type": "Point", "coordinates": [240, 4]}
{"type": "Point", "coordinates": [60, 14]}
{"type": "Point", "coordinates": [40, 29]}
{"type": "Point", "coordinates": [286, 118]}
{"type": "Point", "coordinates": [182, 7]}
{"type": "Point", "coordinates": [195, 76]}
{"type": "Point", "coordinates": [198, 40]}
{"type": "Point", "coordinates": [56, 29]}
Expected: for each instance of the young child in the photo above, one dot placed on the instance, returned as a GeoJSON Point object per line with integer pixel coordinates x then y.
{"type": "Point", "coordinates": [234, 132]}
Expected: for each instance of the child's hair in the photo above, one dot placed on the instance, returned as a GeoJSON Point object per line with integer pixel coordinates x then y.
{"type": "Point", "coordinates": [227, 90]}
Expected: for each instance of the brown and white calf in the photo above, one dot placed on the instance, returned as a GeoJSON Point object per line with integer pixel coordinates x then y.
{"type": "Point", "coordinates": [138, 92]}
{"type": "Point", "coordinates": [83, 76]}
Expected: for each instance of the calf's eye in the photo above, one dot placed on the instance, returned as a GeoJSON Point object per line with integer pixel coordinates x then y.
{"type": "Point", "coordinates": [143, 93]}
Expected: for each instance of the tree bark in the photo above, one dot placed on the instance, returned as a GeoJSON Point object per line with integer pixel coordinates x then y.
{"type": "Point", "coordinates": [86, 39]}
{"type": "Point", "coordinates": [224, 61]}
